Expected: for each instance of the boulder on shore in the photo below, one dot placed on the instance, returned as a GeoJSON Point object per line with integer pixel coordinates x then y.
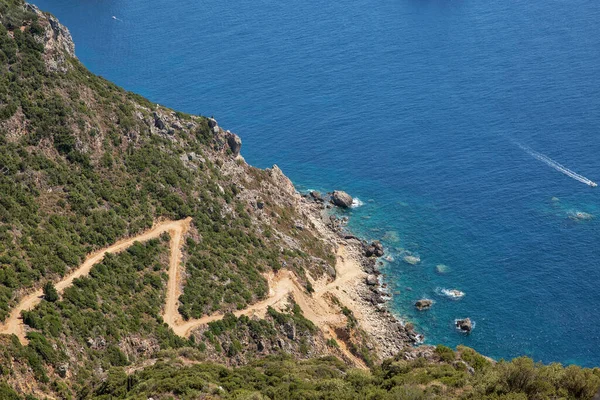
{"type": "Point", "coordinates": [372, 280]}
{"type": "Point", "coordinates": [341, 199]}
{"type": "Point", "coordinates": [316, 196]}
{"type": "Point", "coordinates": [374, 249]}
{"type": "Point", "coordinates": [464, 325]}
{"type": "Point", "coordinates": [423, 304]}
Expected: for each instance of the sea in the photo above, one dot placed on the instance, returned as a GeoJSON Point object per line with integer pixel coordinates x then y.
{"type": "Point", "coordinates": [468, 131]}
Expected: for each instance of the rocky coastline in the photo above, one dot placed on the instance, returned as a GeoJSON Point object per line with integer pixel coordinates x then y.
{"type": "Point", "coordinates": [369, 294]}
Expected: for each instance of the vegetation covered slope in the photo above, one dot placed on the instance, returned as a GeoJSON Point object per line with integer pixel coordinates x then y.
{"type": "Point", "coordinates": [84, 163]}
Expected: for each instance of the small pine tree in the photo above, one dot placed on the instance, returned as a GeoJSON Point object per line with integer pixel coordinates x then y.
{"type": "Point", "coordinates": [50, 293]}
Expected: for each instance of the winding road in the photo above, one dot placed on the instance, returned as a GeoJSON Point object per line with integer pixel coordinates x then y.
{"type": "Point", "coordinates": [14, 322]}
{"type": "Point", "coordinates": [317, 308]}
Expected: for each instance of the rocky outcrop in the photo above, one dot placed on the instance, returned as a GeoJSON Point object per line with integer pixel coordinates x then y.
{"type": "Point", "coordinates": [57, 41]}
{"type": "Point", "coordinates": [212, 124]}
{"type": "Point", "coordinates": [226, 139]}
{"type": "Point", "coordinates": [341, 199]}
{"type": "Point", "coordinates": [464, 325]}
{"type": "Point", "coordinates": [234, 142]}
{"type": "Point", "coordinates": [282, 181]}
{"type": "Point", "coordinates": [158, 121]}
{"type": "Point", "coordinates": [374, 249]}
{"type": "Point", "coordinates": [316, 196]}
{"type": "Point", "coordinates": [423, 304]}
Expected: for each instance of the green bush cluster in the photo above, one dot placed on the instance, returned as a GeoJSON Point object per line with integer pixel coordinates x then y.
{"type": "Point", "coordinates": [282, 377]}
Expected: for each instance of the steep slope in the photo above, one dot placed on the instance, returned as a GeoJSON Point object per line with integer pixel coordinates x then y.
{"type": "Point", "coordinates": [239, 269]}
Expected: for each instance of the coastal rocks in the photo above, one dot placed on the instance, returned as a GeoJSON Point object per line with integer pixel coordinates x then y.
{"type": "Point", "coordinates": [370, 266]}
{"type": "Point", "coordinates": [316, 196]}
{"type": "Point", "coordinates": [464, 325]}
{"type": "Point", "coordinates": [166, 123]}
{"type": "Point", "coordinates": [423, 304]}
{"type": "Point", "coordinates": [372, 280]}
{"type": "Point", "coordinates": [336, 224]}
{"type": "Point", "coordinates": [374, 249]}
{"type": "Point", "coordinates": [376, 298]}
{"type": "Point", "coordinates": [341, 199]}
{"type": "Point", "coordinates": [414, 260]}
{"type": "Point", "coordinates": [414, 337]}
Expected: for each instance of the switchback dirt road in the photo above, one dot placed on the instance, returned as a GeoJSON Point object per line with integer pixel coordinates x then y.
{"type": "Point", "coordinates": [316, 307]}
{"type": "Point", "coordinates": [14, 322]}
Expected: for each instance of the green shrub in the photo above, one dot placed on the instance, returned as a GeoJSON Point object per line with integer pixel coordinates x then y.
{"type": "Point", "coordinates": [50, 293]}
{"type": "Point", "coordinates": [445, 353]}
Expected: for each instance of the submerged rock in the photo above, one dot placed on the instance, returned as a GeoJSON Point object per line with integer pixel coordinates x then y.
{"type": "Point", "coordinates": [423, 304]}
{"type": "Point", "coordinates": [341, 199]}
{"type": "Point", "coordinates": [464, 325]}
{"type": "Point", "coordinates": [414, 260]}
{"type": "Point", "coordinates": [580, 216]}
{"type": "Point", "coordinates": [442, 269]}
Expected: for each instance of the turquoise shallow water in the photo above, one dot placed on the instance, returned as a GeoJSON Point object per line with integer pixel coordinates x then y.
{"type": "Point", "coordinates": [415, 107]}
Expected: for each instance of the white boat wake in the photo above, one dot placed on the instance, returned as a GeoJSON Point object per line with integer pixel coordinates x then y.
{"type": "Point", "coordinates": [559, 167]}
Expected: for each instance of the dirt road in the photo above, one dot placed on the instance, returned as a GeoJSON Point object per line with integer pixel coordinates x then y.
{"type": "Point", "coordinates": [14, 323]}
{"type": "Point", "coordinates": [317, 308]}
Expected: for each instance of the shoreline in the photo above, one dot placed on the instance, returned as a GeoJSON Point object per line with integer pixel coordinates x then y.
{"type": "Point", "coordinates": [366, 298]}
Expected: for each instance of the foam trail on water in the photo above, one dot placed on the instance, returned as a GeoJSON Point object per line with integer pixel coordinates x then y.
{"type": "Point", "coordinates": [559, 167]}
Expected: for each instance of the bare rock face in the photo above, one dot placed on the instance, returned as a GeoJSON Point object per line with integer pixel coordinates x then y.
{"type": "Point", "coordinates": [57, 40]}
{"type": "Point", "coordinates": [282, 181]}
{"type": "Point", "coordinates": [225, 138]}
{"type": "Point", "coordinates": [423, 304]}
{"type": "Point", "coordinates": [464, 325]}
{"type": "Point", "coordinates": [341, 199]}
{"type": "Point", "coordinates": [234, 142]}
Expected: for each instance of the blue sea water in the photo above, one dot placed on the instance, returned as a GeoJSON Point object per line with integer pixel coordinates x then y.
{"type": "Point", "coordinates": [417, 108]}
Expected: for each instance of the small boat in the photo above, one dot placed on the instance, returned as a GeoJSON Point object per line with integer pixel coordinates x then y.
{"type": "Point", "coordinates": [593, 184]}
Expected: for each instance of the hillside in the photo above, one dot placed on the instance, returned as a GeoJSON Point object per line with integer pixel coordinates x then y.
{"type": "Point", "coordinates": [141, 256]}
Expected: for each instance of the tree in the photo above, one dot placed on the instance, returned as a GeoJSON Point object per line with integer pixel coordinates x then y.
{"type": "Point", "coordinates": [50, 293]}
